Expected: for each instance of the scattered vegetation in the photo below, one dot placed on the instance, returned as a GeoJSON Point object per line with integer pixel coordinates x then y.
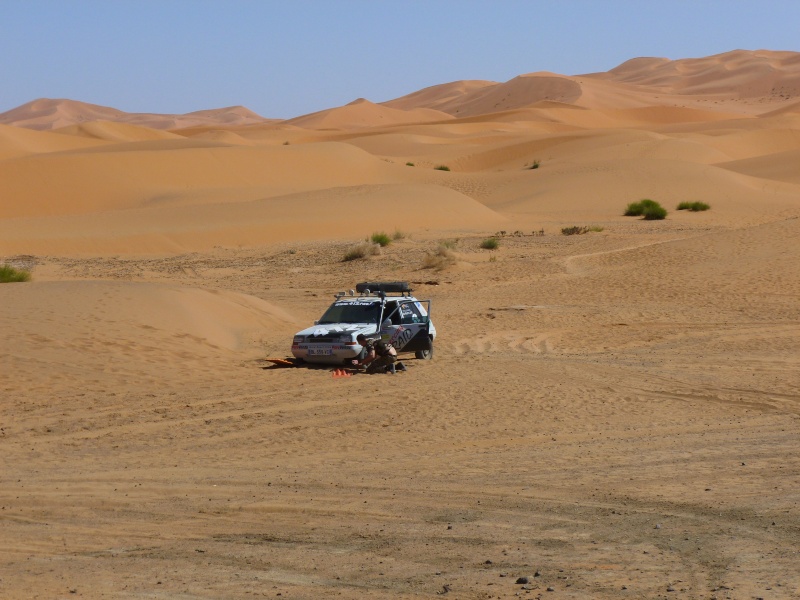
{"type": "Point", "coordinates": [442, 168]}
{"type": "Point", "coordinates": [693, 206]}
{"type": "Point", "coordinates": [409, 164]}
{"type": "Point", "coordinates": [517, 233]}
{"type": "Point", "coordinates": [578, 230]}
{"type": "Point", "coordinates": [381, 238]}
{"type": "Point", "coordinates": [449, 244]}
{"type": "Point", "coordinates": [443, 257]}
{"type": "Point", "coordinates": [648, 209]}
{"type": "Point", "coordinates": [574, 230]}
{"type": "Point", "coordinates": [362, 250]}
{"type": "Point", "coordinates": [399, 235]}
{"type": "Point", "coordinates": [9, 274]}
{"type": "Point", "coordinates": [534, 165]}
{"type": "Point", "coordinates": [491, 243]}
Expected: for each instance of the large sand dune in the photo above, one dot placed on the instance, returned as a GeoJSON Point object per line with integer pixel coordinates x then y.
{"type": "Point", "coordinates": [613, 414]}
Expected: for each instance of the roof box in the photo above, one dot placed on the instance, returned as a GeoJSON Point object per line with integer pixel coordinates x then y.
{"type": "Point", "coordinates": [387, 287]}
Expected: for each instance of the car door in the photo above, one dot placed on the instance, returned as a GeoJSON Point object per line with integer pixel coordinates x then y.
{"type": "Point", "coordinates": [406, 325]}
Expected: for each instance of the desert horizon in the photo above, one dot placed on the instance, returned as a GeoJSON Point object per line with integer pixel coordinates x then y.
{"type": "Point", "coordinates": [611, 410]}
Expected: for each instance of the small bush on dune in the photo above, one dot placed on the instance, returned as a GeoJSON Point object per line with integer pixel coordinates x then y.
{"type": "Point", "coordinates": [636, 209]}
{"type": "Point", "coordinates": [442, 168]}
{"type": "Point", "coordinates": [361, 250]}
{"type": "Point", "coordinates": [491, 243]}
{"type": "Point", "coordinates": [9, 274]}
{"type": "Point", "coordinates": [654, 213]}
{"type": "Point", "coordinates": [409, 164]}
{"type": "Point", "coordinates": [399, 235]}
{"type": "Point", "coordinates": [693, 206]}
{"type": "Point", "coordinates": [381, 238]}
{"type": "Point", "coordinates": [649, 209]}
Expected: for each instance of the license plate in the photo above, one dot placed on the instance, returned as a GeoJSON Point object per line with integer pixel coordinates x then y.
{"type": "Point", "coordinates": [320, 351]}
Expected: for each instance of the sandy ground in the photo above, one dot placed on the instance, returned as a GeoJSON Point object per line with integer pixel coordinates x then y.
{"type": "Point", "coordinates": [611, 415]}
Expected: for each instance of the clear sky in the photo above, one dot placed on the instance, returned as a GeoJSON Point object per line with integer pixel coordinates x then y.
{"type": "Point", "coordinates": [291, 57]}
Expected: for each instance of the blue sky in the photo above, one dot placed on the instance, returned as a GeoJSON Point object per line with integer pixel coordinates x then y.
{"type": "Point", "coordinates": [292, 57]}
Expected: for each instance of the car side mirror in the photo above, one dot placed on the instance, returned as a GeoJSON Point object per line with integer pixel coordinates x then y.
{"type": "Point", "coordinates": [316, 322]}
{"type": "Point", "coordinates": [386, 324]}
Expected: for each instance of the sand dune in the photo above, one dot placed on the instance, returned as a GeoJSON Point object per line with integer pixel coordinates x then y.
{"type": "Point", "coordinates": [226, 219]}
{"type": "Point", "coordinates": [180, 171]}
{"type": "Point", "coordinates": [363, 113]}
{"type": "Point", "coordinates": [612, 413]}
{"type": "Point", "coordinates": [122, 334]}
{"type": "Point", "coordinates": [16, 141]}
{"type": "Point", "coordinates": [116, 132]}
{"type": "Point", "coordinates": [742, 74]}
{"type": "Point", "coordinates": [46, 113]}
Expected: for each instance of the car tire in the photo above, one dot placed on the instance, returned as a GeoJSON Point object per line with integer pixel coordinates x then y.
{"type": "Point", "coordinates": [425, 354]}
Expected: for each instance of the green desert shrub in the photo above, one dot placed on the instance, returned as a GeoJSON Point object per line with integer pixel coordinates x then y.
{"type": "Point", "coordinates": [490, 243]}
{"type": "Point", "coordinates": [381, 238]}
{"type": "Point", "coordinates": [693, 206]}
{"type": "Point", "coordinates": [654, 212]}
{"type": "Point", "coordinates": [442, 168]}
{"type": "Point", "coordinates": [362, 250]}
{"type": "Point", "coordinates": [409, 164]}
{"type": "Point", "coordinates": [636, 209]}
{"type": "Point", "coordinates": [9, 274]}
{"type": "Point", "coordinates": [649, 209]}
{"type": "Point", "coordinates": [534, 165]}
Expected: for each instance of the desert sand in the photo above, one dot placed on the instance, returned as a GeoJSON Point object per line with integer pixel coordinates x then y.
{"type": "Point", "coordinates": [613, 414]}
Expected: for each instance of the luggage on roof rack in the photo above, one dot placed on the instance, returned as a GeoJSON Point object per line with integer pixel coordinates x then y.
{"type": "Point", "coordinates": [387, 287]}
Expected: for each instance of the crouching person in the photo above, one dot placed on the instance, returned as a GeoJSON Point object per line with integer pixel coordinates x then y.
{"type": "Point", "coordinates": [377, 357]}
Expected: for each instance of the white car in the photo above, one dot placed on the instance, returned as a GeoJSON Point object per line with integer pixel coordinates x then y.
{"type": "Point", "coordinates": [378, 310]}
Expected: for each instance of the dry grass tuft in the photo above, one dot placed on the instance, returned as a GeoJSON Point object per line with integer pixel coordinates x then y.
{"type": "Point", "coordinates": [362, 250]}
{"type": "Point", "coordinates": [442, 258]}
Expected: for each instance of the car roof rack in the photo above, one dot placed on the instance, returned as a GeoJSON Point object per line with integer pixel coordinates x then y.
{"type": "Point", "coordinates": [386, 287]}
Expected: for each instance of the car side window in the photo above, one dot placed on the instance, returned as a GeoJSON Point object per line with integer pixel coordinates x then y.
{"type": "Point", "coordinates": [392, 313]}
{"type": "Point", "coordinates": [410, 314]}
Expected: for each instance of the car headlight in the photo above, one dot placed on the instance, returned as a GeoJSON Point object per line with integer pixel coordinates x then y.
{"type": "Point", "coordinates": [298, 339]}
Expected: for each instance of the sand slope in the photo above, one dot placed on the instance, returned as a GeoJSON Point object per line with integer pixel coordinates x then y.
{"type": "Point", "coordinates": [124, 335]}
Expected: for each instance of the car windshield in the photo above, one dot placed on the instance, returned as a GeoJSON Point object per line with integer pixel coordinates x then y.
{"type": "Point", "coordinates": [351, 312]}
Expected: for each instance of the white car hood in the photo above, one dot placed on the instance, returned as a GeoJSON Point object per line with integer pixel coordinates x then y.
{"type": "Point", "coordinates": [336, 328]}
